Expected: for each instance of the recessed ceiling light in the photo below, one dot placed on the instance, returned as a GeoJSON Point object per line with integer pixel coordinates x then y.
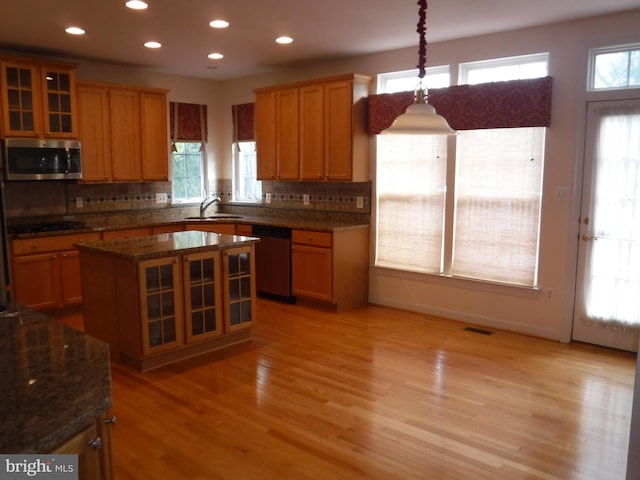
{"type": "Point", "coordinates": [284, 40]}
{"type": "Point", "coordinates": [219, 23]}
{"type": "Point", "coordinates": [152, 44]}
{"type": "Point", "coordinates": [74, 30]}
{"type": "Point", "coordinates": [215, 56]}
{"type": "Point", "coordinates": [136, 5]}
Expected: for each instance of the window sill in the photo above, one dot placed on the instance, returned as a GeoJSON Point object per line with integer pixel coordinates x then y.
{"type": "Point", "coordinates": [460, 282]}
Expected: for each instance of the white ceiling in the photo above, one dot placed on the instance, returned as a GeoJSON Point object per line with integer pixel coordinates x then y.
{"type": "Point", "coordinates": [322, 29]}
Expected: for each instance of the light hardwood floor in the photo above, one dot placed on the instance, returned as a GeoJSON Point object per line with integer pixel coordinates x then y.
{"type": "Point", "coordinates": [376, 393]}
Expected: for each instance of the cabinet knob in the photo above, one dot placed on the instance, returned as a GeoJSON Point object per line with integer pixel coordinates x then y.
{"type": "Point", "coordinates": [96, 443]}
{"type": "Point", "coordinates": [111, 420]}
{"type": "Point", "coordinates": [310, 238]}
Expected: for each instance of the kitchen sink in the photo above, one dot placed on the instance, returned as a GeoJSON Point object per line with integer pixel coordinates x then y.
{"type": "Point", "coordinates": [215, 216]}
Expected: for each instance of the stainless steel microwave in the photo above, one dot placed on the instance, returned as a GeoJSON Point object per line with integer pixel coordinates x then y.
{"type": "Point", "coordinates": [33, 159]}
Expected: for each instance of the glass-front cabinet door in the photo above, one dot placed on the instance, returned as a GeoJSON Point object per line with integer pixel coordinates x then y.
{"type": "Point", "coordinates": [160, 304]}
{"type": "Point", "coordinates": [38, 101]}
{"type": "Point", "coordinates": [21, 100]}
{"type": "Point", "coordinates": [240, 288]}
{"type": "Point", "coordinates": [202, 296]}
{"type": "Point", "coordinates": [58, 102]}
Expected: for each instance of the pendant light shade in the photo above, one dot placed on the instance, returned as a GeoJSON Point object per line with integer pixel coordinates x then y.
{"type": "Point", "coordinates": [420, 118]}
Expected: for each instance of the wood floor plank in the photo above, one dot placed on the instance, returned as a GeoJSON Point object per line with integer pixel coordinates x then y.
{"type": "Point", "coordinates": [376, 393]}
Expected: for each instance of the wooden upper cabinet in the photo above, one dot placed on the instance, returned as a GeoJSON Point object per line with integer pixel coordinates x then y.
{"type": "Point", "coordinates": [94, 132]}
{"type": "Point", "coordinates": [287, 134]}
{"type": "Point", "coordinates": [38, 99]}
{"type": "Point", "coordinates": [124, 134]}
{"type": "Point", "coordinates": [276, 126]}
{"type": "Point", "coordinates": [265, 133]}
{"type": "Point", "coordinates": [155, 138]}
{"type": "Point", "coordinates": [124, 124]}
{"type": "Point", "coordinates": [312, 132]}
{"type": "Point", "coordinates": [321, 123]}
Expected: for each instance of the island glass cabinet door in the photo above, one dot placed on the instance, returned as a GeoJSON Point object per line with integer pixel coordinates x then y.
{"type": "Point", "coordinates": [202, 296]}
{"type": "Point", "coordinates": [239, 288]}
{"type": "Point", "coordinates": [161, 304]}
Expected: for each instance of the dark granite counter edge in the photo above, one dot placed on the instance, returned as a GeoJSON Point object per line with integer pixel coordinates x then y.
{"type": "Point", "coordinates": [71, 429]}
{"type": "Point", "coordinates": [296, 224]}
{"type": "Point", "coordinates": [154, 249]}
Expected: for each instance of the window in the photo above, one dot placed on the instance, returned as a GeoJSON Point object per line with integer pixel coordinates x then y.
{"type": "Point", "coordinates": [188, 133]}
{"type": "Point", "coordinates": [614, 67]}
{"type": "Point", "coordinates": [247, 188]}
{"type": "Point", "coordinates": [502, 69]}
{"type": "Point", "coordinates": [407, 80]}
{"type": "Point", "coordinates": [188, 178]}
{"type": "Point", "coordinates": [466, 206]}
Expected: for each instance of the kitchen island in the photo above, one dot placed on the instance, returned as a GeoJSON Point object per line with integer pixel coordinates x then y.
{"type": "Point", "coordinates": [162, 298]}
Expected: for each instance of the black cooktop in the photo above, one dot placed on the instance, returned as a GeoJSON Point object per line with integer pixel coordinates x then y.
{"type": "Point", "coordinates": [44, 227]}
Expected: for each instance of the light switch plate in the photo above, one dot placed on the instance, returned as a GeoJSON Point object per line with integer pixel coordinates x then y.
{"type": "Point", "coordinates": [79, 202]}
{"type": "Point", "coordinates": [306, 199]}
{"type": "Point", "coordinates": [359, 202]}
{"type": "Point", "coordinates": [267, 197]}
{"type": "Point", "coordinates": [161, 198]}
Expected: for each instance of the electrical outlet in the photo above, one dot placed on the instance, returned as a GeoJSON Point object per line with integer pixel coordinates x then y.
{"type": "Point", "coordinates": [267, 197]}
{"type": "Point", "coordinates": [561, 193]}
{"type": "Point", "coordinates": [161, 198]}
{"type": "Point", "coordinates": [359, 202]}
{"type": "Point", "coordinates": [306, 199]}
{"type": "Point", "coordinates": [79, 202]}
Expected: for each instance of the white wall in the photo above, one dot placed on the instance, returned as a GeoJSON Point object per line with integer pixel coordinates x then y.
{"type": "Point", "coordinates": [523, 310]}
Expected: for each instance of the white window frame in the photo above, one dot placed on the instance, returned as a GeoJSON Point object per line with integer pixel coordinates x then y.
{"type": "Point", "coordinates": [595, 52]}
{"type": "Point", "coordinates": [521, 61]}
{"type": "Point", "coordinates": [239, 194]}
{"type": "Point", "coordinates": [203, 180]}
{"type": "Point", "coordinates": [433, 79]}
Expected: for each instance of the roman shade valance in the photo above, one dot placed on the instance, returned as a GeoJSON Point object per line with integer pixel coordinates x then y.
{"type": "Point", "coordinates": [516, 103]}
{"type": "Point", "coordinates": [242, 122]}
{"type": "Point", "coordinates": [188, 122]}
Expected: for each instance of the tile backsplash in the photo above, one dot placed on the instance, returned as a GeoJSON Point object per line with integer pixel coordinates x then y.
{"type": "Point", "coordinates": [71, 199]}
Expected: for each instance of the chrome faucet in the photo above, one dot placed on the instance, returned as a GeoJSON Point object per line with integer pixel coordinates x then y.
{"type": "Point", "coordinates": [207, 202]}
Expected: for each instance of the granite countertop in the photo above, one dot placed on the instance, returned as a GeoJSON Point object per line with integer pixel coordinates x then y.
{"type": "Point", "coordinates": [294, 222]}
{"type": "Point", "coordinates": [55, 381]}
{"type": "Point", "coordinates": [154, 246]}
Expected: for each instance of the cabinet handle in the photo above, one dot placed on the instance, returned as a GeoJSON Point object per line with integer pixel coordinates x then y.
{"type": "Point", "coordinates": [111, 420]}
{"type": "Point", "coordinates": [96, 443]}
{"type": "Point", "coordinates": [310, 238]}
{"type": "Point", "coordinates": [34, 246]}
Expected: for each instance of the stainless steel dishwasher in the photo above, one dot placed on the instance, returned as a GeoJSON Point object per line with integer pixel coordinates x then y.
{"type": "Point", "coordinates": [273, 262]}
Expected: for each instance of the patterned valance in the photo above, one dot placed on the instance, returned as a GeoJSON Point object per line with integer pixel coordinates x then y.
{"type": "Point", "coordinates": [242, 122]}
{"type": "Point", "coordinates": [516, 103]}
{"type": "Point", "coordinates": [188, 122]}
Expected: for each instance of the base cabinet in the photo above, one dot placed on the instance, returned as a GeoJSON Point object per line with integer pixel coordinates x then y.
{"type": "Point", "coordinates": [93, 447]}
{"type": "Point", "coordinates": [331, 268]}
{"type": "Point", "coordinates": [45, 272]}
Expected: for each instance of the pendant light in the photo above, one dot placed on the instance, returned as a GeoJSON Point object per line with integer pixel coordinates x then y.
{"type": "Point", "coordinates": [420, 118]}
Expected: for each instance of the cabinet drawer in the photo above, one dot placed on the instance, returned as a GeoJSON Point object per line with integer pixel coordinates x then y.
{"type": "Point", "coordinates": [51, 244]}
{"type": "Point", "coordinates": [246, 230]}
{"type": "Point", "coordinates": [126, 233]}
{"type": "Point", "coordinates": [310, 237]}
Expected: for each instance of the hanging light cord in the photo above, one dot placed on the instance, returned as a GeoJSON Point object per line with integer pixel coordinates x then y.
{"type": "Point", "coordinates": [422, 30]}
{"type": "Point", "coordinates": [420, 93]}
